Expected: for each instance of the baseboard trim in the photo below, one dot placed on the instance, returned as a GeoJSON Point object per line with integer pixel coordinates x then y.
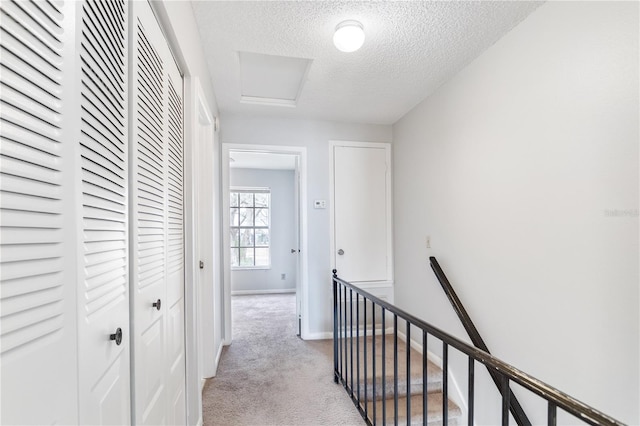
{"type": "Point", "coordinates": [257, 292]}
{"type": "Point", "coordinates": [318, 336]}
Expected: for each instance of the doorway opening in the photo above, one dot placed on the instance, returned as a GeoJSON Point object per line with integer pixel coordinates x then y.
{"type": "Point", "coordinates": [264, 226]}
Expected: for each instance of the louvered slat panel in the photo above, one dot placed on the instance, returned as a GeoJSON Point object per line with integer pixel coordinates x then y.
{"type": "Point", "coordinates": [103, 167]}
{"type": "Point", "coordinates": [175, 255]}
{"type": "Point", "coordinates": [31, 203]}
{"type": "Point", "coordinates": [150, 165]}
{"type": "Point", "coordinates": [103, 145]}
{"type": "Point", "coordinates": [38, 322]}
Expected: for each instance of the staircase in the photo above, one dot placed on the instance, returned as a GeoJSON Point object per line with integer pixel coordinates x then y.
{"type": "Point", "coordinates": [382, 406]}
{"type": "Point", "coordinates": [391, 388]}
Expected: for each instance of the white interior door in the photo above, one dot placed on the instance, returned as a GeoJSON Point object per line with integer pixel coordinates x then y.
{"type": "Point", "coordinates": [103, 299]}
{"type": "Point", "coordinates": [38, 337]}
{"type": "Point", "coordinates": [157, 239]}
{"type": "Point", "coordinates": [362, 212]}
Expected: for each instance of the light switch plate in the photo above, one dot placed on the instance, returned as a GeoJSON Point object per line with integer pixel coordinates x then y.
{"type": "Point", "coordinates": [319, 204]}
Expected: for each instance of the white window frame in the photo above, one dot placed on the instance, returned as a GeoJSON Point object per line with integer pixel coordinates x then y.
{"type": "Point", "coordinates": [252, 190]}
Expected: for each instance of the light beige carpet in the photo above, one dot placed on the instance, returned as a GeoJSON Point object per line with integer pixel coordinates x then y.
{"type": "Point", "coordinates": [269, 376]}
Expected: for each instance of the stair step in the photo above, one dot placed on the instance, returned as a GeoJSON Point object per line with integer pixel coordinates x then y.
{"type": "Point", "coordinates": [434, 373]}
{"type": "Point", "coordinates": [416, 387]}
{"type": "Point", "coordinates": [434, 382]}
{"type": "Point", "coordinates": [434, 410]}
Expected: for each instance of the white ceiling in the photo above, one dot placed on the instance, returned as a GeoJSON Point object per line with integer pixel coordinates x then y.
{"type": "Point", "coordinates": [411, 48]}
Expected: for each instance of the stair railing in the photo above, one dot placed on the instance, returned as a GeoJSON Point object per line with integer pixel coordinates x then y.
{"type": "Point", "coordinates": [351, 328]}
{"type": "Point", "coordinates": [516, 409]}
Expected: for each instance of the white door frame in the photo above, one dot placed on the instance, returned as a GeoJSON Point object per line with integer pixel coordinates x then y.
{"type": "Point", "coordinates": [301, 152]}
{"type": "Point", "coordinates": [205, 235]}
{"type": "Point", "coordinates": [193, 93]}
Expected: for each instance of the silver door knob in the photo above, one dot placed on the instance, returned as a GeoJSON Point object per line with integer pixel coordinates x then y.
{"type": "Point", "coordinates": [293, 250]}
{"type": "Point", "coordinates": [340, 252]}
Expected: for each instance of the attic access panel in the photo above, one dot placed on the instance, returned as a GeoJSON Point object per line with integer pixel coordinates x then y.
{"type": "Point", "coordinates": [272, 80]}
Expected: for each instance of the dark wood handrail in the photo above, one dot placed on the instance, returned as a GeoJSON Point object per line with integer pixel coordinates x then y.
{"type": "Point", "coordinates": [516, 409]}
{"type": "Point", "coordinates": [554, 396]}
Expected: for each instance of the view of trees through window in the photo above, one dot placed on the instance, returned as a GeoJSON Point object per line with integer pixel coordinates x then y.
{"type": "Point", "coordinates": [250, 227]}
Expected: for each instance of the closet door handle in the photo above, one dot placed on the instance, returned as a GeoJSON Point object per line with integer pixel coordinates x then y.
{"type": "Point", "coordinates": [157, 304]}
{"type": "Point", "coordinates": [117, 336]}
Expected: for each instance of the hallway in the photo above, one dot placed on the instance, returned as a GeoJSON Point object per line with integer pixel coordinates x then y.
{"type": "Point", "coordinates": [268, 376]}
{"type": "Point", "coordinates": [511, 139]}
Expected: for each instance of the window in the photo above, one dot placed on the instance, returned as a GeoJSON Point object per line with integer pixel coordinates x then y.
{"type": "Point", "coordinates": [250, 228]}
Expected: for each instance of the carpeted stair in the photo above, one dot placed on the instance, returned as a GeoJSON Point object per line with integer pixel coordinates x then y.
{"type": "Point", "coordinates": [386, 397]}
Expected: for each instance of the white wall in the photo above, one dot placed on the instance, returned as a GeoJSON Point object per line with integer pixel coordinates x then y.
{"type": "Point", "coordinates": [514, 168]}
{"type": "Point", "coordinates": [181, 31]}
{"type": "Point", "coordinates": [282, 233]}
{"type": "Point", "coordinates": [315, 136]}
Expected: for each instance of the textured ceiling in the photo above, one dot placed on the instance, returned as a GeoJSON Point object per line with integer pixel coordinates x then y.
{"type": "Point", "coordinates": [411, 48]}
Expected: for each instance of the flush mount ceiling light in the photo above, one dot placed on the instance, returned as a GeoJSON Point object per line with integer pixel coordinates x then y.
{"type": "Point", "coordinates": [349, 36]}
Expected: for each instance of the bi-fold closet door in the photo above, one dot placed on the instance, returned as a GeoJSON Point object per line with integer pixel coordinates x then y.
{"type": "Point", "coordinates": [102, 264]}
{"type": "Point", "coordinates": [80, 239]}
{"type": "Point", "coordinates": [63, 205]}
{"type": "Point", "coordinates": [157, 247]}
{"type": "Point", "coordinates": [38, 244]}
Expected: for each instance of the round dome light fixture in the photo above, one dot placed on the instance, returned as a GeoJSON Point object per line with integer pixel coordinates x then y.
{"type": "Point", "coordinates": [349, 36]}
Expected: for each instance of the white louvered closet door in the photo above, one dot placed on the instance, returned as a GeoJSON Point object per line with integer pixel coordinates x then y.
{"type": "Point", "coordinates": [103, 299]}
{"type": "Point", "coordinates": [157, 270]}
{"type": "Point", "coordinates": [38, 341]}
